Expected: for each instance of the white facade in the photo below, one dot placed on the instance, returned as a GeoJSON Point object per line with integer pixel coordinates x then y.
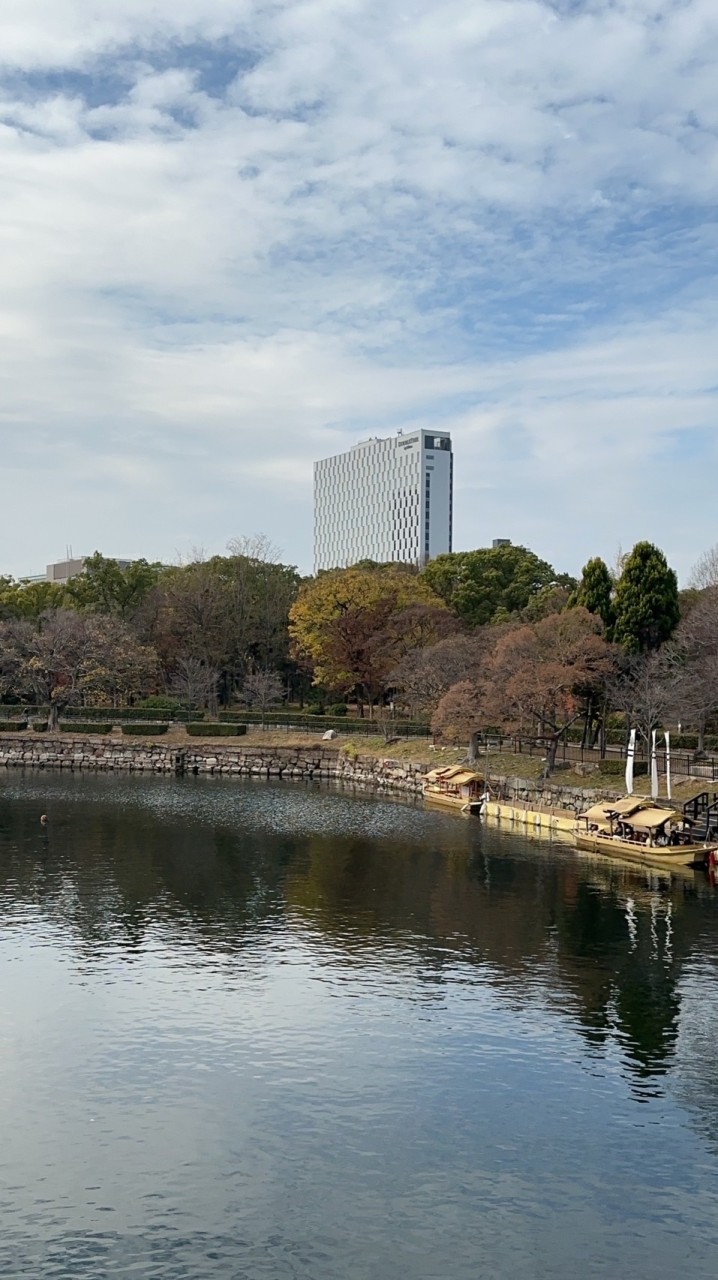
{"type": "Point", "coordinates": [384, 500]}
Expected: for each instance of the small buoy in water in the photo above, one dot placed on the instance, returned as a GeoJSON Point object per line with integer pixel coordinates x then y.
{"type": "Point", "coordinates": [43, 819]}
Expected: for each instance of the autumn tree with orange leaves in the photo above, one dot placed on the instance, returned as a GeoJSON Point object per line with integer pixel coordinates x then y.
{"type": "Point", "coordinates": [537, 677]}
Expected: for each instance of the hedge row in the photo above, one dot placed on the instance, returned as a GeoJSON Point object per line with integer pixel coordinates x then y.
{"type": "Point", "coordinates": [689, 742]}
{"type": "Point", "coordinates": [208, 730]}
{"type": "Point", "coordinates": [12, 726]}
{"type": "Point", "coordinates": [118, 715]}
{"type": "Point", "coordinates": [617, 768]}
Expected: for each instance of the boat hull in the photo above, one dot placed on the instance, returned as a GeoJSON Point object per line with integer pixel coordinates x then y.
{"type": "Point", "coordinates": [472, 807]}
{"type": "Point", "coordinates": [687, 855]}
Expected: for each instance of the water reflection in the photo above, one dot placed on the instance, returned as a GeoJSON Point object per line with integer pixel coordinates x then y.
{"type": "Point", "coordinates": [336, 1010]}
{"type": "Point", "coordinates": [213, 867]}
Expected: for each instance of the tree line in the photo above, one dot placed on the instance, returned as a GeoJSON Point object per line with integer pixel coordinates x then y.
{"type": "Point", "coordinates": [491, 638]}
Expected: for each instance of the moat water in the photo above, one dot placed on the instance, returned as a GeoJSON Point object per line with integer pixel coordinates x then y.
{"type": "Point", "coordinates": [254, 1030]}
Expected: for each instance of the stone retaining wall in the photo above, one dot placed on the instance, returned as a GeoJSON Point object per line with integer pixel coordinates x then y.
{"type": "Point", "coordinates": [321, 762]}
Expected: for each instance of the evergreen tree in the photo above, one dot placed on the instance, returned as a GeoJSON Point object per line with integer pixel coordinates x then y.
{"type": "Point", "coordinates": [492, 583]}
{"type": "Point", "coordinates": [595, 591]}
{"type": "Point", "coordinates": [646, 601]}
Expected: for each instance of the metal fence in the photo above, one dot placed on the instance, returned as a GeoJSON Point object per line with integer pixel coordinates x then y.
{"type": "Point", "coordinates": [682, 762]}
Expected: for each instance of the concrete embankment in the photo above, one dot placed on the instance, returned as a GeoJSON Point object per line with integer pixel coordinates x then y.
{"type": "Point", "coordinates": [516, 801]}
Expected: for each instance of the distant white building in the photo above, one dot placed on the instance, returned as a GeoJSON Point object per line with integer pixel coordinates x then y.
{"type": "Point", "coordinates": [63, 570]}
{"type": "Point", "coordinates": [385, 499]}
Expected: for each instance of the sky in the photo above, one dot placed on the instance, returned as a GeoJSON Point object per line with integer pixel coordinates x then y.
{"type": "Point", "coordinates": [240, 235]}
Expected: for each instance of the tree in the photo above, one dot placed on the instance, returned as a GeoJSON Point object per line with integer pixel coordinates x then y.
{"type": "Point", "coordinates": [542, 675]}
{"type": "Point", "coordinates": [490, 584]}
{"type": "Point", "coordinates": [413, 629]}
{"type": "Point", "coordinates": [424, 676]}
{"type": "Point", "coordinates": [261, 592]}
{"type": "Point", "coordinates": [705, 571]}
{"type": "Point", "coordinates": [104, 586]}
{"type": "Point", "coordinates": [195, 682]}
{"type": "Point", "coordinates": [645, 689]}
{"type": "Point", "coordinates": [697, 652]}
{"type": "Point", "coordinates": [339, 622]}
{"type": "Point", "coordinates": [688, 598]}
{"type": "Point", "coordinates": [263, 690]}
{"type": "Point", "coordinates": [49, 660]}
{"type": "Point", "coordinates": [29, 599]}
{"type": "Point", "coordinates": [646, 600]}
{"type": "Point", "coordinates": [548, 600]}
{"type": "Point", "coordinates": [189, 617]}
{"type": "Point", "coordinates": [460, 715]}
{"type": "Point", "coordinates": [66, 657]}
{"type": "Point", "coordinates": [116, 667]}
{"type": "Point", "coordinates": [229, 612]}
{"type": "Point", "coordinates": [595, 591]}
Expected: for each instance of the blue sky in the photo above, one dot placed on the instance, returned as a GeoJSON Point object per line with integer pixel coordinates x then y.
{"type": "Point", "coordinates": [235, 237]}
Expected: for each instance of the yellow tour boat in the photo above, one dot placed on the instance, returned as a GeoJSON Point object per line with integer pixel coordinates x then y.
{"type": "Point", "coordinates": [458, 787]}
{"type": "Point", "coordinates": [642, 830]}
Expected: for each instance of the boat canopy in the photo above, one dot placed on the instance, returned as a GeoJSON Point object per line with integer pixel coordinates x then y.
{"type": "Point", "coordinates": [651, 819]}
{"type": "Point", "coordinates": [597, 813]}
{"type": "Point", "coordinates": [629, 804]}
{"type": "Point", "coordinates": [456, 774]}
{"type": "Point", "coordinates": [446, 772]}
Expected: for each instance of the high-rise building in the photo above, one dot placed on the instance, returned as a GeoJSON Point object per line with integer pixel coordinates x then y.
{"type": "Point", "coordinates": [384, 499]}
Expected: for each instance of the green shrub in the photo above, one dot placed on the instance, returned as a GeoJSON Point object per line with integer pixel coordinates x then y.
{"type": "Point", "coordinates": [160, 701]}
{"type": "Point", "coordinates": [86, 726]}
{"type": "Point", "coordinates": [216, 730]}
{"type": "Point", "coordinates": [12, 726]}
{"type": "Point", "coordinates": [689, 742]}
{"type": "Point", "coordinates": [149, 730]}
{"type": "Point", "coordinates": [40, 726]}
{"type": "Point", "coordinates": [617, 768]}
{"type": "Point", "coordinates": [86, 713]}
{"type": "Point", "coordinates": [338, 709]}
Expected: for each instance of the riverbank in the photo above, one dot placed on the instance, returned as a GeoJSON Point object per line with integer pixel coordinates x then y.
{"type": "Point", "coordinates": [514, 798]}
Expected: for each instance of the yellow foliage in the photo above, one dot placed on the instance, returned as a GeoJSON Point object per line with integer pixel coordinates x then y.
{"type": "Point", "coordinates": [337, 613]}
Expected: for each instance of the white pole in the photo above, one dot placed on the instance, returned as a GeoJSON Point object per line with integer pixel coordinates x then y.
{"type": "Point", "coordinates": [629, 762]}
{"type": "Point", "coordinates": [654, 767]}
{"type": "Point", "coordinates": [668, 764]}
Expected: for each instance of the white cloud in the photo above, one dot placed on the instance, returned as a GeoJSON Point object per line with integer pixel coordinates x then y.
{"type": "Point", "coordinates": [235, 236]}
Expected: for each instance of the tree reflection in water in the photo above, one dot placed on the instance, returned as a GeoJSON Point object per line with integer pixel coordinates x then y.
{"type": "Point", "coordinates": [210, 868]}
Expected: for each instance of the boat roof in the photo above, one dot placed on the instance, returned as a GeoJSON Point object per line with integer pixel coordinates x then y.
{"type": "Point", "coordinates": [624, 807]}
{"type": "Point", "coordinates": [453, 773]}
{"type": "Point", "coordinates": [628, 804]}
{"type": "Point", "coordinates": [650, 819]}
{"type": "Point", "coordinates": [597, 813]}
